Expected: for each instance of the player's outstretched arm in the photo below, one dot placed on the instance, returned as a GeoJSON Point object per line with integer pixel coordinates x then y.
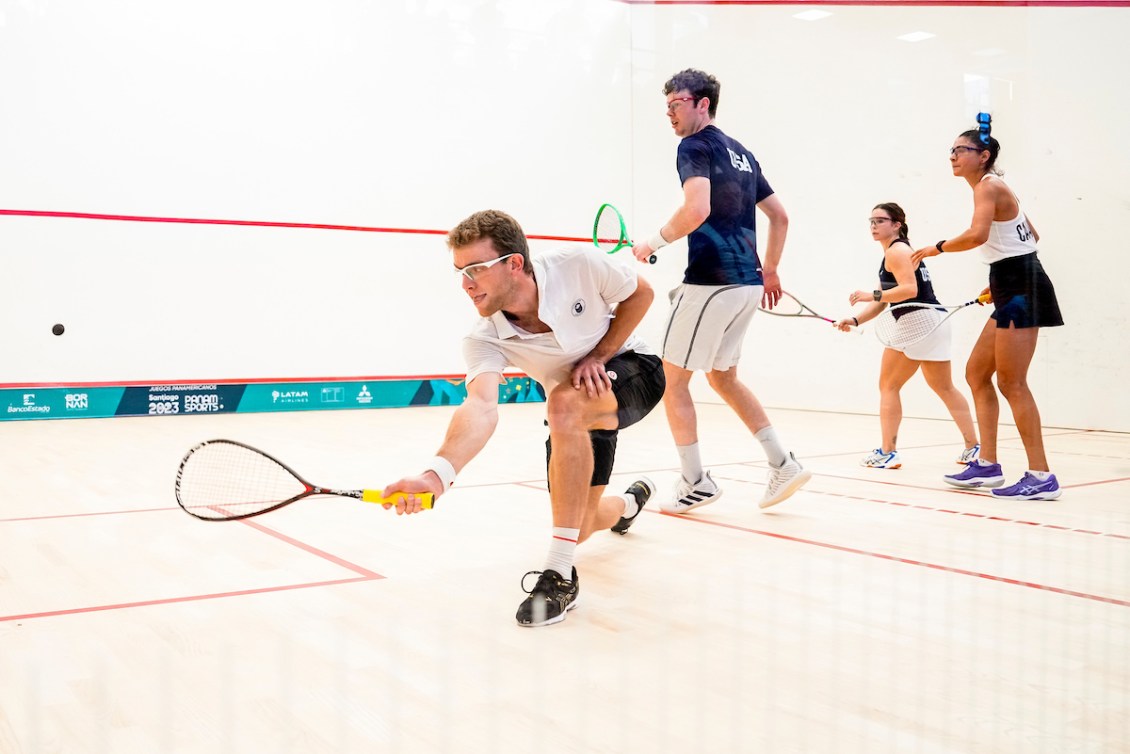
{"type": "Point", "coordinates": [470, 428]}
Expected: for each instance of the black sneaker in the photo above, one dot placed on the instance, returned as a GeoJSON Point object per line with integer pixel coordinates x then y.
{"type": "Point", "coordinates": [642, 490]}
{"type": "Point", "coordinates": [549, 600]}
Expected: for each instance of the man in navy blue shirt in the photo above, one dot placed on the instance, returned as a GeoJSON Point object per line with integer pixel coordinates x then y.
{"type": "Point", "coordinates": [725, 279]}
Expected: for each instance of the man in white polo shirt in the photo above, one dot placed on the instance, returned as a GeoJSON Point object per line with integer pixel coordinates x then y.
{"type": "Point", "coordinates": [567, 318]}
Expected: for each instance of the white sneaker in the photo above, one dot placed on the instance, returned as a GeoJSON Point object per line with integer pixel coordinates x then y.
{"type": "Point", "coordinates": [969, 454]}
{"type": "Point", "coordinates": [690, 496]}
{"type": "Point", "coordinates": [784, 480]}
{"type": "Point", "coordinates": [877, 459]}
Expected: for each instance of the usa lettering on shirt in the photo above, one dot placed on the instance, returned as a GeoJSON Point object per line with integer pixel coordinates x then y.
{"type": "Point", "coordinates": [739, 161]}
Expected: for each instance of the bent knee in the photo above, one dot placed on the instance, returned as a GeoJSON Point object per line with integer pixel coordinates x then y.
{"type": "Point", "coordinates": [719, 379]}
{"type": "Point", "coordinates": [564, 405]}
{"type": "Point", "coordinates": [979, 379]}
{"type": "Point", "coordinates": [1012, 387]}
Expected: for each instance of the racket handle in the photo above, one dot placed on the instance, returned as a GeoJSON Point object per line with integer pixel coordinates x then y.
{"type": "Point", "coordinates": [427, 499]}
{"type": "Point", "coordinates": [985, 298]}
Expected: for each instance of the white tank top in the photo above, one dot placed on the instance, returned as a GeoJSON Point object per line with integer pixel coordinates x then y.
{"type": "Point", "coordinates": [1010, 238]}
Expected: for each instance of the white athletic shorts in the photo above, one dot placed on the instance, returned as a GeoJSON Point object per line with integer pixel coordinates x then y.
{"type": "Point", "coordinates": [936, 346]}
{"type": "Point", "coordinates": [707, 324]}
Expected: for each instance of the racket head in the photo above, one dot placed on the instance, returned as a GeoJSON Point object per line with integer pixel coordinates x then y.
{"type": "Point", "coordinates": [904, 325]}
{"type": "Point", "coordinates": [789, 305]}
{"type": "Point", "coordinates": [225, 480]}
{"type": "Point", "coordinates": [609, 231]}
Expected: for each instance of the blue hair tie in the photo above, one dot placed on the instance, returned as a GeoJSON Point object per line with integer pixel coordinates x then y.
{"type": "Point", "coordinates": [984, 125]}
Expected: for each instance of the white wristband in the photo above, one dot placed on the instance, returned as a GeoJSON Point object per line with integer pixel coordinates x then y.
{"type": "Point", "coordinates": [444, 470]}
{"type": "Point", "coordinates": [657, 241]}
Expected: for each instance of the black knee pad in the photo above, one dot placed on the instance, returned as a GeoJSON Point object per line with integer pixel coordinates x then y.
{"type": "Point", "coordinates": [603, 455]}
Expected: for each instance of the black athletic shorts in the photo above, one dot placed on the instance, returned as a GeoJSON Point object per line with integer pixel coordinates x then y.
{"type": "Point", "coordinates": [637, 383]}
{"type": "Point", "coordinates": [1023, 295]}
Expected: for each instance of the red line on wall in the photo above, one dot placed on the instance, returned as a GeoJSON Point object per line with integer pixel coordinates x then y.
{"type": "Point", "coordinates": [246, 223]}
{"type": "Point", "coordinates": [902, 3]}
{"type": "Point", "coordinates": [244, 381]}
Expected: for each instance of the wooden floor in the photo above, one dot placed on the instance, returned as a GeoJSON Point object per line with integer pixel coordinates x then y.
{"type": "Point", "coordinates": [875, 611]}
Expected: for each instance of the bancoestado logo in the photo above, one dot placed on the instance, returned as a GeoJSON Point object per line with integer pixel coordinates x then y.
{"type": "Point", "coordinates": [28, 406]}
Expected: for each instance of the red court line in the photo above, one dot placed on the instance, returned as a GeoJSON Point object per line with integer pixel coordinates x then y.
{"type": "Point", "coordinates": [246, 522]}
{"type": "Point", "coordinates": [246, 223]}
{"type": "Point", "coordinates": [907, 561]}
{"type": "Point", "coordinates": [955, 490]}
{"type": "Point", "coordinates": [363, 574]}
{"type": "Point", "coordinates": [1092, 484]}
{"type": "Point", "coordinates": [970, 514]}
{"type": "Point", "coordinates": [312, 550]}
{"type": "Point", "coordinates": [174, 600]}
{"type": "Point", "coordinates": [951, 490]}
{"type": "Point", "coordinates": [83, 515]}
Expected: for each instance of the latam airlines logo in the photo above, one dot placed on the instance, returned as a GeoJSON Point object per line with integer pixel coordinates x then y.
{"type": "Point", "coordinates": [290, 396]}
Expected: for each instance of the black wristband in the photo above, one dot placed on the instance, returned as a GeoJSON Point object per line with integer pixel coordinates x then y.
{"type": "Point", "coordinates": [938, 246]}
{"type": "Point", "coordinates": [877, 295]}
{"type": "Point", "coordinates": [855, 320]}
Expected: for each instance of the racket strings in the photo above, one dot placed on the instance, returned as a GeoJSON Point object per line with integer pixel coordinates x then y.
{"type": "Point", "coordinates": [787, 306]}
{"type": "Point", "coordinates": [790, 307]}
{"type": "Point", "coordinates": [221, 480]}
{"type": "Point", "coordinates": [609, 232]}
{"type": "Point", "coordinates": [908, 329]}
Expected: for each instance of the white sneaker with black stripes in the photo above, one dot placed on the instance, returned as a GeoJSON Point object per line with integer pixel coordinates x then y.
{"type": "Point", "coordinates": [690, 496]}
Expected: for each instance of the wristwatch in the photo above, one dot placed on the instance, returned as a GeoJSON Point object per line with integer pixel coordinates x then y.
{"type": "Point", "coordinates": [877, 295]}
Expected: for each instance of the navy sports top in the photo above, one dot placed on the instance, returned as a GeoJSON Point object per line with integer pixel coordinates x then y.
{"type": "Point", "coordinates": [723, 250]}
{"type": "Point", "coordinates": [925, 294]}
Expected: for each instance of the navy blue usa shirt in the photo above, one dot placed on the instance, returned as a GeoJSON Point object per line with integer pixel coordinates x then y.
{"type": "Point", "coordinates": [723, 250]}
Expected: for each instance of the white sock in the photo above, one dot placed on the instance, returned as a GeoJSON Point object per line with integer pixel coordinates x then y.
{"type": "Point", "coordinates": [691, 462]}
{"type": "Point", "coordinates": [631, 505]}
{"type": "Point", "coordinates": [1041, 475]}
{"type": "Point", "coordinates": [774, 451]}
{"type": "Point", "coordinates": [561, 550]}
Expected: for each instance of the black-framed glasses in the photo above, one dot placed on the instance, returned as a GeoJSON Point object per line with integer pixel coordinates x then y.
{"type": "Point", "coordinates": [671, 103]}
{"type": "Point", "coordinates": [472, 271]}
{"type": "Point", "coordinates": [959, 147]}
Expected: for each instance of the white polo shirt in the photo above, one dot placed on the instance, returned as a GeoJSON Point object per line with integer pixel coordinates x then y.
{"type": "Point", "coordinates": [577, 288]}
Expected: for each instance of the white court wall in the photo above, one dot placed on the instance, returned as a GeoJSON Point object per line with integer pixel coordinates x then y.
{"type": "Point", "coordinates": [393, 114]}
{"type": "Point", "coordinates": [414, 114]}
{"type": "Point", "coordinates": [843, 115]}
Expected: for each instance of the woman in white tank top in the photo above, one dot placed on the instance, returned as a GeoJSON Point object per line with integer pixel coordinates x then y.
{"type": "Point", "coordinates": [1024, 301]}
